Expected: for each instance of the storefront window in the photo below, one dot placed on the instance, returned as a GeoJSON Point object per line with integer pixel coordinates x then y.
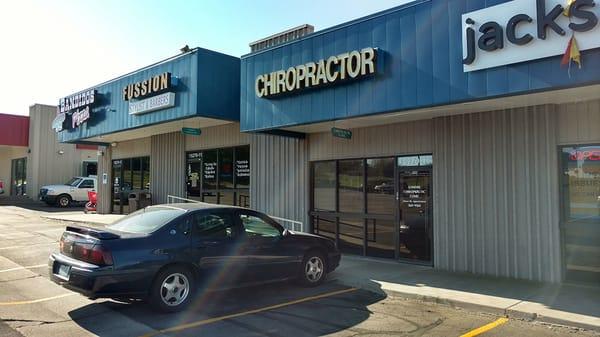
{"type": "Point", "coordinates": [219, 176]}
{"type": "Point", "coordinates": [209, 170]}
{"type": "Point", "coordinates": [324, 186]}
{"type": "Point", "coordinates": [395, 219]}
{"type": "Point", "coordinates": [350, 179]}
{"type": "Point", "coordinates": [131, 174]}
{"type": "Point", "coordinates": [225, 168]}
{"type": "Point", "coordinates": [581, 212]}
{"type": "Point", "coordinates": [380, 186]}
{"type": "Point", "coordinates": [242, 167]}
{"type": "Point", "coordinates": [136, 165]}
{"type": "Point", "coordinates": [351, 237]}
{"type": "Point", "coordinates": [146, 173]}
{"type": "Point", "coordinates": [325, 226]}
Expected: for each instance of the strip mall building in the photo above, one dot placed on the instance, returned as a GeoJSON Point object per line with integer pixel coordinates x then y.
{"type": "Point", "coordinates": [31, 156]}
{"type": "Point", "coordinates": [446, 133]}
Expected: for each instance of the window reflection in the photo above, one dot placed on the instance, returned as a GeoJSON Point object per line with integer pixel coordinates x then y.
{"type": "Point", "coordinates": [351, 236]}
{"type": "Point", "coordinates": [380, 186]}
{"type": "Point", "coordinates": [324, 186]}
{"type": "Point", "coordinates": [581, 212]}
{"type": "Point", "coordinates": [351, 186]}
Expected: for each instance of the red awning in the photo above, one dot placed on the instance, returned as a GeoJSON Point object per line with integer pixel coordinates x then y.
{"type": "Point", "coordinates": [14, 130]}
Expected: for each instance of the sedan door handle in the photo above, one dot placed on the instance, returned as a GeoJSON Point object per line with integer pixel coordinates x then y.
{"type": "Point", "coordinates": [205, 244]}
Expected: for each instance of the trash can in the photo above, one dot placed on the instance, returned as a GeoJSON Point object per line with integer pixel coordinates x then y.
{"type": "Point", "coordinates": [144, 199]}
{"type": "Point", "coordinates": [134, 201]}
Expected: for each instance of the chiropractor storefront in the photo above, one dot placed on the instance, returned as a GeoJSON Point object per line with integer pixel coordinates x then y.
{"type": "Point", "coordinates": [452, 133]}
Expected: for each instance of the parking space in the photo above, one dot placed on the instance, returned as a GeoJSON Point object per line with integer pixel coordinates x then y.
{"type": "Point", "coordinates": [31, 305]}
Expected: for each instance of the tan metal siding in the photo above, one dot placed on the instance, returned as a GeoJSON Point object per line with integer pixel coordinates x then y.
{"type": "Point", "coordinates": [496, 193]}
{"type": "Point", "coordinates": [279, 176]}
{"type": "Point", "coordinates": [167, 166]}
{"type": "Point", "coordinates": [579, 122]}
{"type": "Point", "coordinates": [217, 136]}
{"type": "Point", "coordinates": [132, 148]}
{"type": "Point", "coordinates": [45, 166]}
{"type": "Point", "coordinates": [386, 140]}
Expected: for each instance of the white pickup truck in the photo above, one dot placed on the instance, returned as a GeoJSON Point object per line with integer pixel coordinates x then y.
{"type": "Point", "coordinates": [75, 190]}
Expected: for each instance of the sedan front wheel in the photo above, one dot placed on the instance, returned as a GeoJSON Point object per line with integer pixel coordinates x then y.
{"type": "Point", "coordinates": [313, 269]}
{"type": "Point", "coordinates": [172, 289]}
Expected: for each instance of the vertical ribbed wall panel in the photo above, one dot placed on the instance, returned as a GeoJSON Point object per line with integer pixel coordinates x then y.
{"type": "Point", "coordinates": [279, 177]}
{"type": "Point", "coordinates": [104, 190]}
{"type": "Point", "coordinates": [579, 122]}
{"type": "Point", "coordinates": [217, 136]}
{"type": "Point", "coordinates": [496, 193]}
{"type": "Point", "coordinates": [167, 166]}
{"type": "Point", "coordinates": [384, 140]}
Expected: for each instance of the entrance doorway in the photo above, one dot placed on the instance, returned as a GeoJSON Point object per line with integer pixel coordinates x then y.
{"type": "Point", "coordinates": [379, 207]}
{"type": "Point", "coordinates": [132, 174]}
{"type": "Point", "coordinates": [90, 168]}
{"type": "Point", "coordinates": [18, 177]}
{"type": "Point", "coordinates": [414, 235]}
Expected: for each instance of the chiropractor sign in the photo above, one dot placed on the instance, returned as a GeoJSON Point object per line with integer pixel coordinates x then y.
{"type": "Point", "coordinates": [334, 69]}
{"type": "Point", "coordinates": [523, 30]}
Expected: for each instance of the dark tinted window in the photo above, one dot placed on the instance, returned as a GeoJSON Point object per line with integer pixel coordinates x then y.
{"type": "Point", "coordinates": [146, 220]}
{"type": "Point", "coordinates": [226, 168]}
{"type": "Point", "coordinates": [255, 226]}
{"type": "Point", "coordinates": [88, 183]}
{"type": "Point", "coordinates": [214, 225]}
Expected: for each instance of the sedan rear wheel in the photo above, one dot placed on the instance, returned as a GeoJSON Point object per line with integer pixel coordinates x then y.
{"type": "Point", "coordinates": [172, 289]}
{"type": "Point", "coordinates": [313, 269]}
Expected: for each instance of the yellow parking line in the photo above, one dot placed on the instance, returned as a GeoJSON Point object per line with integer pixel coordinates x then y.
{"type": "Point", "coordinates": [249, 312]}
{"type": "Point", "coordinates": [486, 327]}
{"type": "Point", "coordinates": [36, 301]}
{"type": "Point", "coordinates": [19, 268]}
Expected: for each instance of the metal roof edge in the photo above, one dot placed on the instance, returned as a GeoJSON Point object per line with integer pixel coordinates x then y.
{"type": "Point", "coordinates": [340, 26]}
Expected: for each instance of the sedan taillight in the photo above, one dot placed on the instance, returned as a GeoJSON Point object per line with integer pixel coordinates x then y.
{"type": "Point", "coordinates": [92, 252]}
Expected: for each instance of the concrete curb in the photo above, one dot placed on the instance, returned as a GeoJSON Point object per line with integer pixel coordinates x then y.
{"type": "Point", "coordinates": [73, 221]}
{"type": "Point", "coordinates": [507, 312]}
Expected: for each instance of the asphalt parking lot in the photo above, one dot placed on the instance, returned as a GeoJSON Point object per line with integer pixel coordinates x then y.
{"type": "Point", "coordinates": [31, 305]}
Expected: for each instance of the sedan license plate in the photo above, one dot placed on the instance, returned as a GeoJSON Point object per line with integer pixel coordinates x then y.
{"type": "Point", "coordinates": [64, 271]}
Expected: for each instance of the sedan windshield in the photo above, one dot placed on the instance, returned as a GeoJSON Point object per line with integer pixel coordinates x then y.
{"type": "Point", "coordinates": [73, 182]}
{"type": "Point", "coordinates": [146, 220]}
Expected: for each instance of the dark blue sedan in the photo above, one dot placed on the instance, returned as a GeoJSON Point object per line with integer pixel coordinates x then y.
{"type": "Point", "coordinates": [165, 253]}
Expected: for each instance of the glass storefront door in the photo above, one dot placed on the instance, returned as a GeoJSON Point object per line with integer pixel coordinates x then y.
{"type": "Point", "coordinates": [377, 207]}
{"type": "Point", "coordinates": [131, 174]}
{"type": "Point", "coordinates": [580, 216]}
{"type": "Point", "coordinates": [414, 236]}
{"type": "Point", "coordinates": [18, 177]}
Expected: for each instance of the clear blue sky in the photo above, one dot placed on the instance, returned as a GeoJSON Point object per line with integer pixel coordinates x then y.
{"type": "Point", "coordinates": [53, 48]}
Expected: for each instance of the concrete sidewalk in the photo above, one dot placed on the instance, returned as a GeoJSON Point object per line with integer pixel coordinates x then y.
{"type": "Point", "coordinates": [570, 305]}
{"type": "Point", "coordinates": [81, 217]}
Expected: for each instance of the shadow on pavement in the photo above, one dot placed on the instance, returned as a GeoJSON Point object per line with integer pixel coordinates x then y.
{"type": "Point", "coordinates": [313, 317]}
{"type": "Point", "coordinates": [34, 205]}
